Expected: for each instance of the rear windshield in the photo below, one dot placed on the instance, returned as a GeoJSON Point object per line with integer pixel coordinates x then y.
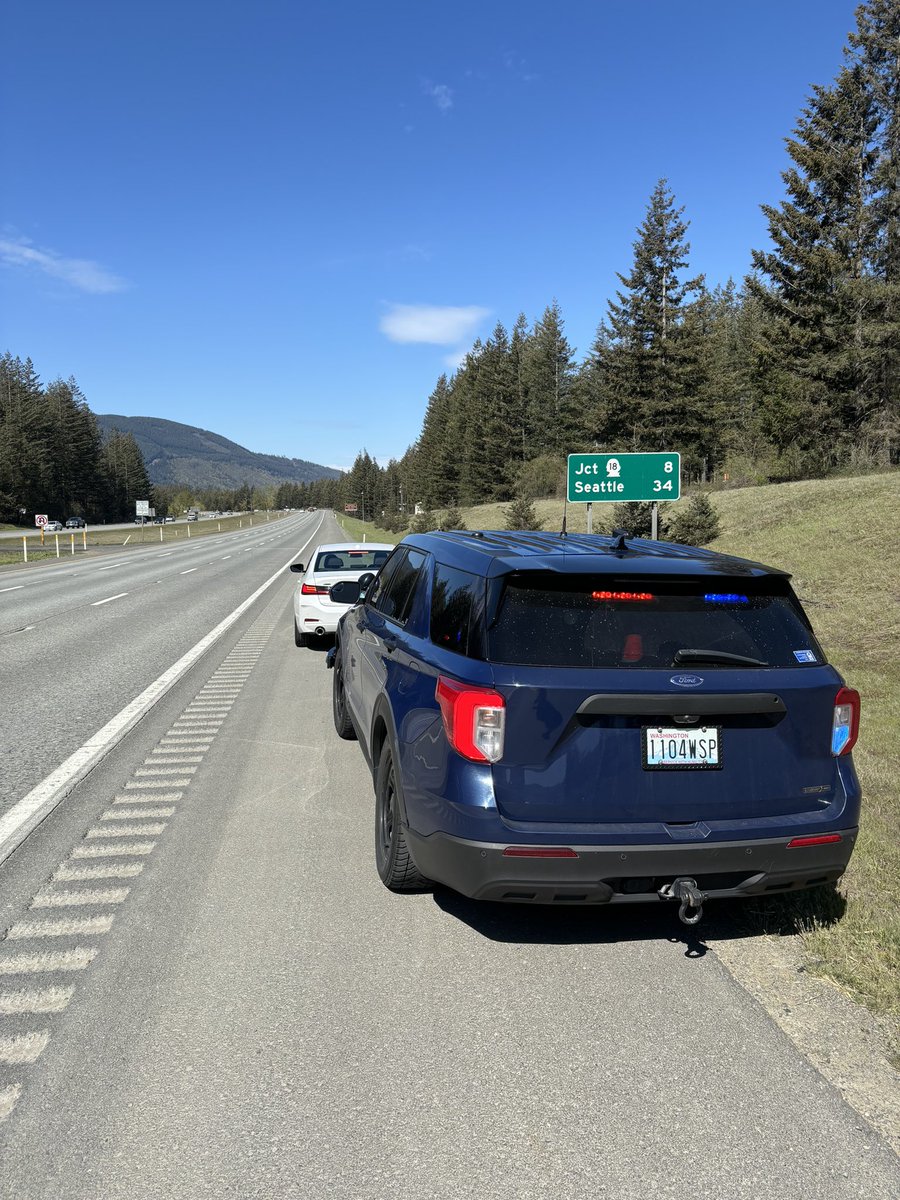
{"type": "Point", "coordinates": [648, 623]}
{"type": "Point", "coordinates": [351, 560]}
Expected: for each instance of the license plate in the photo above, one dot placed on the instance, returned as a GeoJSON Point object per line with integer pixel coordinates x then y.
{"type": "Point", "coordinates": [695, 749]}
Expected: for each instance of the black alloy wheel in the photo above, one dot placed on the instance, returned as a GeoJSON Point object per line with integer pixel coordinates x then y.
{"type": "Point", "coordinates": [393, 861]}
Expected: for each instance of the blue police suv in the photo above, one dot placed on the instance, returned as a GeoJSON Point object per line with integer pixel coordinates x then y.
{"type": "Point", "coordinates": [591, 720]}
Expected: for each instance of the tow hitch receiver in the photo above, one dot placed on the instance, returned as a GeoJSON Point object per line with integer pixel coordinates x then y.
{"type": "Point", "coordinates": [691, 899]}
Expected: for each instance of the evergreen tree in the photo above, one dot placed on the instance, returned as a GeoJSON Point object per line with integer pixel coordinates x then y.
{"type": "Point", "coordinates": [649, 352]}
{"type": "Point", "coordinates": [695, 525]}
{"type": "Point", "coordinates": [873, 50]}
{"type": "Point", "coordinates": [436, 460]}
{"type": "Point", "coordinates": [126, 475]}
{"type": "Point", "coordinates": [521, 514]}
{"type": "Point", "coordinates": [819, 288]}
{"type": "Point", "coordinates": [548, 374]}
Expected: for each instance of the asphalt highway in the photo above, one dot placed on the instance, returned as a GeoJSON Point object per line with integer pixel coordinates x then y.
{"type": "Point", "coordinates": [81, 636]}
{"type": "Point", "coordinates": [205, 991]}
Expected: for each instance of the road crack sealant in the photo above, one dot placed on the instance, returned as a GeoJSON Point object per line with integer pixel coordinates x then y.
{"type": "Point", "coordinates": [67, 919]}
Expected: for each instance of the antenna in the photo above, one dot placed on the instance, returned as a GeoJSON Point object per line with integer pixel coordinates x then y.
{"type": "Point", "coordinates": [562, 532]}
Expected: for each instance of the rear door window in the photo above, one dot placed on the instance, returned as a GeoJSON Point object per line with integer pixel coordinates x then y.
{"type": "Point", "coordinates": [540, 619]}
{"type": "Point", "coordinates": [454, 597]}
{"type": "Point", "coordinates": [394, 597]}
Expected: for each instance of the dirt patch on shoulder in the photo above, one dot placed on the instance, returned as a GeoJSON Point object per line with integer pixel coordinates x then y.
{"type": "Point", "coordinates": [843, 1040]}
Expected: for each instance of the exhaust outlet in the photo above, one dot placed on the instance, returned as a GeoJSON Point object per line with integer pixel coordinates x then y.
{"type": "Point", "coordinates": [320, 632]}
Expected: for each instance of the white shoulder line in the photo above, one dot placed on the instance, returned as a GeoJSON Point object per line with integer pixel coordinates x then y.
{"type": "Point", "coordinates": [27, 814]}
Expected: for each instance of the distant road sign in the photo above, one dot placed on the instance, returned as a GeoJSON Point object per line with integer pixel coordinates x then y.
{"type": "Point", "coordinates": [349, 508]}
{"type": "Point", "coordinates": [142, 508]}
{"type": "Point", "coordinates": [622, 478]}
{"type": "Point", "coordinates": [40, 520]}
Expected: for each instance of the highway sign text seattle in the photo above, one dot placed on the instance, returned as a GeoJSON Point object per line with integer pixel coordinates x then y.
{"type": "Point", "coordinates": [624, 477]}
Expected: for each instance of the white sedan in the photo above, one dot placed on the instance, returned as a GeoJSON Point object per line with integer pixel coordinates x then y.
{"type": "Point", "coordinates": [315, 613]}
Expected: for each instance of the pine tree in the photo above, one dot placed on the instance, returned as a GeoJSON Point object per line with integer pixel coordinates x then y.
{"type": "Point", "coordinates": [521, 514]}
{"type": "Point", "coordinates": [548, 373]}
{"type": "Point", "coordinates": [820, 290]}
{"type": "Point", "coordinates": [873, 50]}
{"type": "Point", "coordinates": [649, 352]}
{"type": "Point", "coordinates": [695, 525]}
{"type": "Point", "coordinates": [437, 473]}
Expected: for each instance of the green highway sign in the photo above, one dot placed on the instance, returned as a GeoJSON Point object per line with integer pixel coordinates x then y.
{"type": "Point", "coordinates": [599, 478]}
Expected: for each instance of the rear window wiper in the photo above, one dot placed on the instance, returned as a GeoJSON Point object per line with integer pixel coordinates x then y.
{"type": "Point", "coordinates": [715, 656]}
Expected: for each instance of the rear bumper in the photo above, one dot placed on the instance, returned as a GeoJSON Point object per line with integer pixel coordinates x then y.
{"type": "Point", "coordinates": [310, 619]}
{"type": "Point", "coordinates": [627, 874]}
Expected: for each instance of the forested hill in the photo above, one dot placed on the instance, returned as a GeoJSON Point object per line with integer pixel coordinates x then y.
{"type": "Point", "coordinates": [176, 453]}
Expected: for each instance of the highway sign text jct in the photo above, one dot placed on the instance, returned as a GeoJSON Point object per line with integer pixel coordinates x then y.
{"type": "Point", "coordinates": [624, 477]}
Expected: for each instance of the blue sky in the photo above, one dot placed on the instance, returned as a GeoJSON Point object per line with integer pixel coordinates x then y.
{"type": "Point", "coordinates": [281, 221]}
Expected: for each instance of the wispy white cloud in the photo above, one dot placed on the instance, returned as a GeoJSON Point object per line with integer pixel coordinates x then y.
{"type": "Point", "coordinates": [439, 326]}
{"type": "Point", "coordinates": [518, 66]}
{"type": "Point", "coordinates": [81, 273]}
{"type": "Point", "coordinates": [440, 94]}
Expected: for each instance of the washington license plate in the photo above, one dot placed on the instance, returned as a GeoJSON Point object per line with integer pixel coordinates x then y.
{"type": "Point", "coordinates": [694, 749]}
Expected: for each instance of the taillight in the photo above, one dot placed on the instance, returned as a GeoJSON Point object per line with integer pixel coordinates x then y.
{"type": "Point", "coordinates": [845, 725]}
{"type": "Point", "coordinates": [474, 719]}
{"type": "Point", "coordinates": [310, 589]}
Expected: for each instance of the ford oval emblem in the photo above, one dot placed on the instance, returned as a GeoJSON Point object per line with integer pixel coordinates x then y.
{"type": "Point", "coordinates": [686, 680]}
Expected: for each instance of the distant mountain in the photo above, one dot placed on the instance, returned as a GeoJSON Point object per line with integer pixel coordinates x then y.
{"type": "Point", "coordinates": [177, 453]}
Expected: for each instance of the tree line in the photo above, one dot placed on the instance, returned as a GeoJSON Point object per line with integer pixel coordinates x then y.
{"type": "Point", "coordinates": [53, 458]}
{"type": "Point", "coordinates": [792, 373]}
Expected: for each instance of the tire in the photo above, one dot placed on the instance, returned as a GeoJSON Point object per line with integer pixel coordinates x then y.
{"type": "Point", "coordinates": [339, 710]}
{"type": "Point", "coordinates": [393, 861]}
{"type": "Point", "coordinates": [299, 638]}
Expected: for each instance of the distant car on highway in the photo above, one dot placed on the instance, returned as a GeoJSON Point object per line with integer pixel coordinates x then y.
{"type": "Point", "coordinates": [315, 613]}
{"type": "Point", "coordinates": [53, 527]}
{"type": "Point", "coordinates": [76, 523]}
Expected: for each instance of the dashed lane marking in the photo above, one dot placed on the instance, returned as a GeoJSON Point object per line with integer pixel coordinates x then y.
{"type": "Point", "coordinates": [8, 1099]}
{"type": "Point", "coordinates": [25, 1048]}
{"type": "Point", "coordinates": [114, 850]}
{"type": "Point", "coordinates": [65, 927]}
{"type": "Point", "coordinates": [154, 770]}
{"type": "Point", "coordinates": [137, 814]}
{"type": "Point", "coordinates": [66, 874]}
{"type": "Point", "coordinates": [84, 897]}
{"type": "Point", "coordinates": [50, 960]}
{"type": "Point", "coordinates": [108, 600]}
{"type": "Point", "coordinates": [38, 1000]}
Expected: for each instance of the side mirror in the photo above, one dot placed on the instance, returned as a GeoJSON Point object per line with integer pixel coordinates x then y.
{"type": "Point", "coordinates": [347, 591]}
{"type": "Point", "coordinates": [298, 567]}
{"type": "Point", "coordinates": [365, 582]}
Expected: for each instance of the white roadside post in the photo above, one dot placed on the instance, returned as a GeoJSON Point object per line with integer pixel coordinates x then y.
{"type": "Point", "coordinates": [25, 547]}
